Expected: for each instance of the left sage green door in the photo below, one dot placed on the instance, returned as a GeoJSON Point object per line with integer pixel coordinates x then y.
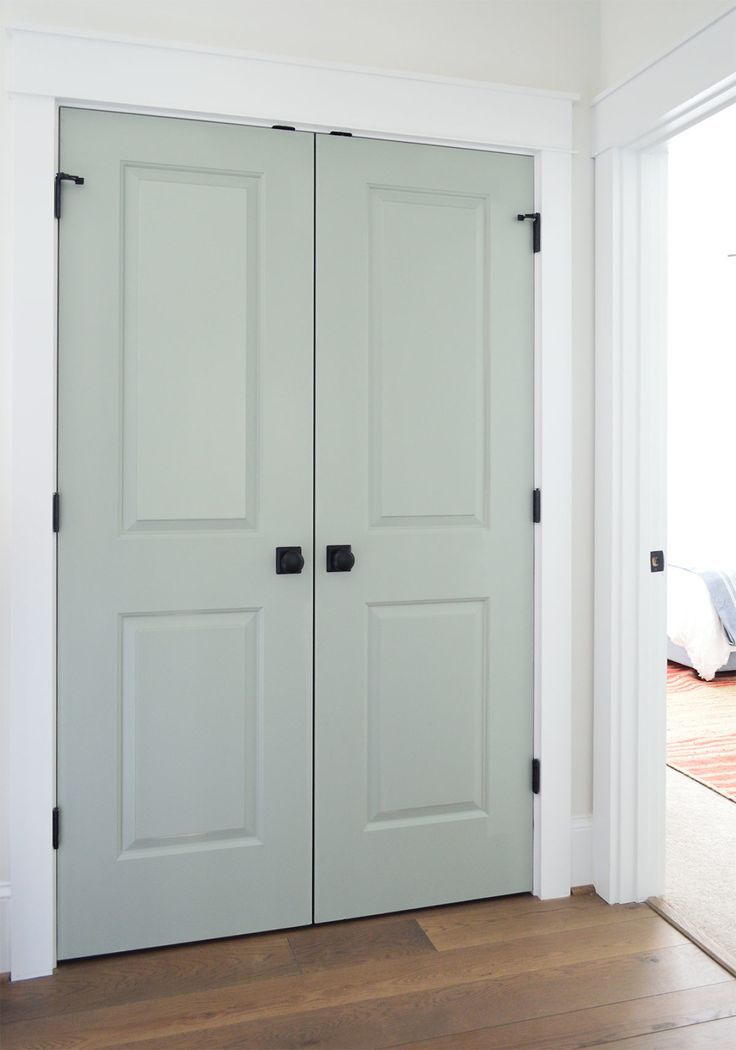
{"type": "Point", "coordinates": [184, 708]}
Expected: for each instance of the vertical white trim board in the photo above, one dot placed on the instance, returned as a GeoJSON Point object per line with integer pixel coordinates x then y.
{"type": "Point", "coordinates": [631, 126]}
{"type": "Point", "coordinates": [50, 68]}
{"type": "Point", "coordinates": [553, 559]}
{"type": "Point", "coordinates": [4, 927]}
{"type": "Point", "coordinates": [33, 549]}
{"type": "Point", "coordinates": [582, 851]}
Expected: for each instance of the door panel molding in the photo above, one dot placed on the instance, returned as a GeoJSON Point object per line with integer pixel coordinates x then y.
{"type": "Point", "coordinates": [48, 68]}
{"type": "Point", "coordinates": [237, 818]}
{"type": "Point", "coordinates": [417, 495]}
{"type": "Point", "coordinates": [154, 501]}
{"type": "Point", "coordinates": [386, 744]}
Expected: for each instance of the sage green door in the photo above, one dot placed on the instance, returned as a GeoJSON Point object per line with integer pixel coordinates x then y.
{"type": "Point", "coordinates": [424, 464]}
{"type": "Point", "coordinates": [185, 459]}
{"type": "Point", "coordinates": [187, 348]}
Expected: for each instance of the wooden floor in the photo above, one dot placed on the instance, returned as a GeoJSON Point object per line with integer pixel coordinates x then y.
{"type": "Point", "coordinates": [513, 972]}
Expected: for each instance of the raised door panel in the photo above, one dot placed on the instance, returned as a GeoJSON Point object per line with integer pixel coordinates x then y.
{"type": "Point", "coordinates": [190, 731]}
{"type": "Point", "coordinates": [427, 712]}
{"type": "Point", "coordinates": [190, 242]}
{"type": "Point", "coordinates": [428, 357]}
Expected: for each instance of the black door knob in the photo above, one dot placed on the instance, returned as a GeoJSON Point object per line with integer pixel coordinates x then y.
{"type": "Point", "coordinates": [289, 561]}
{"type": "Point", "coordinates": [340, 557]}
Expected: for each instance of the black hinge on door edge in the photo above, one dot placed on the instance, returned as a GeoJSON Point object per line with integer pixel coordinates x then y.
{"type": "Point", "coordinates": [537, 506]}
{"type": "Point", "coordinates": [55, 827]}
{"type": "Point", "coordinates": [55, 511]}
{"type": "Point", "coordinates": [61, 176]}
{"type": "Point", "coordinates": [536, 218]}
{"type": "Point", "coordinates": [536, 775]}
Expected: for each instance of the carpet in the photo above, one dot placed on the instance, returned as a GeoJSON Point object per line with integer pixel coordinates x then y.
{"type": "Point", "coordinates": [701, 728]}
{"type": "Point", "coordinates": [701, 874]}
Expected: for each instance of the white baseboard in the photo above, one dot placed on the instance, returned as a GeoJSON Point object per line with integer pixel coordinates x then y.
{"type": "Point", "coordinates": [582, 851]}
{"type": "Point", "coordinates": [4, 927]}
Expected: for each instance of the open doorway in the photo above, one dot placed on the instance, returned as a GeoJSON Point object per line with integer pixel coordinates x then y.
{"type": "Point", "coordinates": [701, 524]}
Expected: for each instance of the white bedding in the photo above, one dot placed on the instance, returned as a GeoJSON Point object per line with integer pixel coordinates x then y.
{"type": "Point", "coordinates": [693, 623]}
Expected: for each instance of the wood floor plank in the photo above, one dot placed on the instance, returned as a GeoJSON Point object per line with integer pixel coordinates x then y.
{"type": "Point", "coordinates": [449, 931]}
{"type": "Point", "coordinates": [715, 1035]}
{"type": "Point", "coordinates": [597, 1026]}
{"type": "Point", "coordinates": [135, 976]}
{"type": "Point", "coordinates": [180, 1014]}
{"type": "Point", "coordinates": [343, 943]}
{"type": "Point", "coordinates": [505, 1002]}
{"type": "Point", "coordinates": [517, 904]}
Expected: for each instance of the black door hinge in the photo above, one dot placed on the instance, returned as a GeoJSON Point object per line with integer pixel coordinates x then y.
{"type": "Point", "coordinates": [61, 176]}
{"type": "Point", "coordinates": [55, 511]}
{"type": "Point", "coordinates": [536, 218]}
{"type": "Point", "coordinates": [55, 827]}
{"type": "Point", "coordinates": [536, 776]}
{"type": "Point", "coordinates": [537, 506]}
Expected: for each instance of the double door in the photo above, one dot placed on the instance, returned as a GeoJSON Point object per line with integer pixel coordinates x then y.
{"type": "Point", "coordinates": [268, 340]}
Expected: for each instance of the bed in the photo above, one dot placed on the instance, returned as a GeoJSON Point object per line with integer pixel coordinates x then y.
{"type": "Point", "coordinates": [695, 634]}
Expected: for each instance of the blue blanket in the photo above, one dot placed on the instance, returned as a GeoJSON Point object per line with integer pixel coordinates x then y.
{"type": "Point", "coordinates": [721, 584]}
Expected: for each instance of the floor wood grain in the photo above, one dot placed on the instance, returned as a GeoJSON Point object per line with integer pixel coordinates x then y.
{"type": "Point", "coordinates": [343, 943]}
{"type": "Point", "coordinates": [122, 979]}
{"type": "Point", "coordinates": [599, 1025]}
{"type": "Point", "coordinates": [513, 972]}
{"type": "Point", "coordinates": [716, 1035]}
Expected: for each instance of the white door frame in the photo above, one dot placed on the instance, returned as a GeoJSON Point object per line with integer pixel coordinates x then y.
{"type": "Point", "coordinates": [49, 68]}
{"type": "Point", "coordinates": [631, 125]}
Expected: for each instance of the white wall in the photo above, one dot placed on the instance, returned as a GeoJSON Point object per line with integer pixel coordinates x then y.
{"type": "Point", "coordinates": [4, 525]}
{"type": "Point", "coordinates": [702, 343]}
{"type": "Point", "coordinates": [541, 43]}
{"type": "Point", "coordinates": [551, 44]}
{"type": "Point", "coordinates": [634, 33]}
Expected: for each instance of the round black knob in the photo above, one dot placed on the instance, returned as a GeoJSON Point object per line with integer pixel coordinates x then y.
{"type": "Point", "coordinates": [340, 557]}
{"type": "Point", "coordinates": [289, 560]}
{"type": "Point", "coordinates": [292, 561]}
{"type": "Point", "coordinates": [343, 560]}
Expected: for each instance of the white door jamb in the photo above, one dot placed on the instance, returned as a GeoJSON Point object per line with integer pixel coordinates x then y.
{"type": "Point", "coordinates": [631, 125]}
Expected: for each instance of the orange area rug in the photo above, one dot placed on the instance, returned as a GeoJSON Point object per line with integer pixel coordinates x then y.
{"type": "Point", "coordinates": [701, 728]}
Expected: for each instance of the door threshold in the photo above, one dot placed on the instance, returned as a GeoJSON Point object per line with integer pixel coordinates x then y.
{"type": "Point", "coordinates": [675, 918]}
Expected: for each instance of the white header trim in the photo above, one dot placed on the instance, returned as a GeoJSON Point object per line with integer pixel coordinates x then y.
{"type": "Point", "coordinates": [265, 89]}
{"type": "Point", "coordinates": [669, 95]}
{"type": "Point", "coordinates": [307, 63]}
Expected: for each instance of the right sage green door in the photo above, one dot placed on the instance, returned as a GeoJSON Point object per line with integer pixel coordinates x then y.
{"type": "Point", "coordinates": [424, 466]}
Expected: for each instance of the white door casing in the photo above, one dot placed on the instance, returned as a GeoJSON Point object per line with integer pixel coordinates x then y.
{"type": "Point", "coordinates": [48, 68]}
{"type": "Point", "coordinates": [631, 125]}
